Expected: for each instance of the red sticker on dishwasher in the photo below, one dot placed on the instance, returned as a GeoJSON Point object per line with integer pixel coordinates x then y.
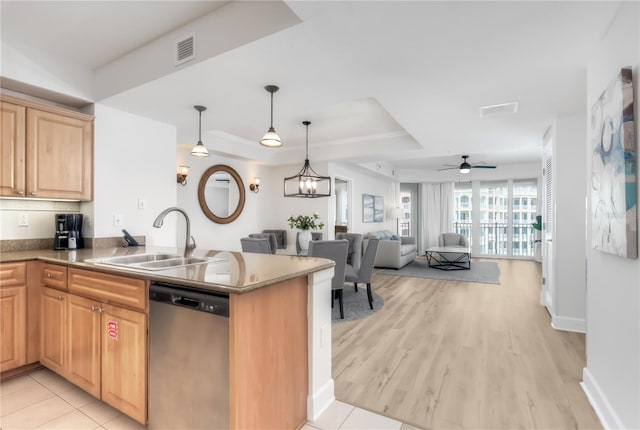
{"type": "Point", "coordinates": [112, 329]}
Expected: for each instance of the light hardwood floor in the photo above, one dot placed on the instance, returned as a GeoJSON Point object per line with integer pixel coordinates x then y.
{"type": "Point", "coordinates": [443, 354]}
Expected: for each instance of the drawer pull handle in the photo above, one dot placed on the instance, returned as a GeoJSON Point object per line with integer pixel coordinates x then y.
{"type": "Point", "coordinates": [33, 193]}
{"type": "Point", "coordinates": [49, 275]}
{"type": "Point", "coordinates": [21, 193]}
{"type": "Point", "coordinates": [97, 309]}
{"type": "Point", "coordinates": [60, 297]}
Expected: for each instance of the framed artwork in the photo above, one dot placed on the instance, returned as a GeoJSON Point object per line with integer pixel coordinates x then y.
{"type": "Point", "coordinates": [614, 206]}
{"type": "Point", "coordinates": [378, 209]}
{"type": "Point", "coordinates": [367, 207]}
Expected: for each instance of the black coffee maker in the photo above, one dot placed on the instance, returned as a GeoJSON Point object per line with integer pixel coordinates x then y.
{"type": "Point", "coordinates": [68, 232]}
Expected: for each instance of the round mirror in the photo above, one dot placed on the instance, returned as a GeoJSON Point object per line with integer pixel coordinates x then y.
{"type": "Point", "coordinates": [221, 194]}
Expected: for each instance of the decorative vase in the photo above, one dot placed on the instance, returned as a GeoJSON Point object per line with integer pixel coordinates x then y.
{"type": "Point", "coordinates": [304, 237]}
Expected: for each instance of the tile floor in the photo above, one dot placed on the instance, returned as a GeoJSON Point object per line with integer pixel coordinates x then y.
{"type": "Point", "coordinates": [44, 400]}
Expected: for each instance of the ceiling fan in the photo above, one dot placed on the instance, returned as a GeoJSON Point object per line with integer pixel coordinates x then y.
{"type": "Point", "coordinates": [465, 167]}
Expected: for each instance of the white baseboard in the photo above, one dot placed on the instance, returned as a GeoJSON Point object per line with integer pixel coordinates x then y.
{"type": "Point", "coordinates": [577, 325]}
{"type": "Point", "coordinates": [319, 401]}
{"type": "Point", "coordinates": [608, 418]}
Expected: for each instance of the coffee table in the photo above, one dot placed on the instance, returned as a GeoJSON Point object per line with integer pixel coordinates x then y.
{"type": "Point", "coordinates": [449, 257]}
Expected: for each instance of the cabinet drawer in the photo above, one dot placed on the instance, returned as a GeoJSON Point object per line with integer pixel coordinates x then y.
{"type": "Point", "coordinates": [13, 274]}
{"type": "Point", "coordinates": [109, 288]}
{"type": "Point", "coordinates": [54, 276]}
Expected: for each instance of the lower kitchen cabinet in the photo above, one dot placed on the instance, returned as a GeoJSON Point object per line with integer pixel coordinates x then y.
{"type": "Point", "coordinates": [13, 315]}
{"type": "Point", "coordinates": [13, 326]}
{"type": "Point", "coordinates": [53, 339]}
{"type": "Point", "coordinates": [83, 343]}
{"type": "Point", "coordinates": [124, 361]}
{"type": "Point", "coordinates": [97, 345]}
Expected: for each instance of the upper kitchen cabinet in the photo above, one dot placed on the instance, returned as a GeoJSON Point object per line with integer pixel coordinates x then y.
{"type": "Point", "coordinates": [47, 151]}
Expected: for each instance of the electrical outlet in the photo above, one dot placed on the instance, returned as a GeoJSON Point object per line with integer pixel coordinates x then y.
{"type": "Point", "coordinates": [142, 204]}
{"type": "Point", "coordinates": [117, 220]}
{"type": "Point", "coordinates": [23, 219]}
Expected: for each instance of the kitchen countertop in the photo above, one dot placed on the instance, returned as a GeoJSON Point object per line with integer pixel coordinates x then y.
{"type": "Point", "coordinates": [226, 271]}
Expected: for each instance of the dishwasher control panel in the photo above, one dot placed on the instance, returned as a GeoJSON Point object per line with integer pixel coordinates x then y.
{"type": "Point", "coordinates": [178, 295]}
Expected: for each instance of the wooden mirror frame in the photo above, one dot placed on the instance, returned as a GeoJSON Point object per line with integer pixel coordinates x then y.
{"type": "Point", "coordinates": [201, 197]}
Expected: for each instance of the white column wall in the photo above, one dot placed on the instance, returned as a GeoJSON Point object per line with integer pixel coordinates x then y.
{"type": "Point", "coordinates": [612, 376]}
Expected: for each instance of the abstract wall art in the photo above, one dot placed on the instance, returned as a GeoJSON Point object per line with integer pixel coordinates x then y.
{"type": "Point", "coordinates": [614, 196]}
{"type": "Point", "coordinates": [367, 207]}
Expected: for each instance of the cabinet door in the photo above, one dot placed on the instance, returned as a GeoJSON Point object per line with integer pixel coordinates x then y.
{"type": "Point", "coordinates": [12, 150]}
{"type": "Point", "coordinates": [53, 317]}
{"type": "Point", "coordinates": [124, 361]}
{"type": "Point", "coordinates": [83, 343]}
{"type": "Point", "coordinates": [60, 156]}
{"type": "Point", "coordinates": [13, 325]}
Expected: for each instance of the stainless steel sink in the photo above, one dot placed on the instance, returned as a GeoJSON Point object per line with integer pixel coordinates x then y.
{"type": "Point", "coordinates": [149, 261]}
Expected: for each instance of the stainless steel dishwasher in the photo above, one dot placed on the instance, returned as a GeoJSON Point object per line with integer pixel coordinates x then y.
{"type": "Point", "coordinates": [188, 358]}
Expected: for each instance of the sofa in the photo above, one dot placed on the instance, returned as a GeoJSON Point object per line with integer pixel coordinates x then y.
{"type": "Point", "coordinates": [394, 252]}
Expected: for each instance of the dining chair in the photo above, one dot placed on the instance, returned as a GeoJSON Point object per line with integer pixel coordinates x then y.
{"type": "Point", "coordinates": [271, 237]}
{"type": "Point", "coordinates": [315, 235]}
{"type": "Point", "coordinates": [354, 254]}
{"type": "Point", "coordinates": [363, 275]}
{"type": "Point", "coordinates": [258, 245]}
{"type": "Point", "coordinates": [335, 250]}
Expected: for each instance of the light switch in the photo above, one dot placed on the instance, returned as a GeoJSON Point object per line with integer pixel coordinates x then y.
{"type": "Point", "coordinates": [117, 220]}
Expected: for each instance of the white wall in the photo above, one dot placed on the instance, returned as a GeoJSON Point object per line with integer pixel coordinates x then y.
{"type": "Point", "coordinates": [569, 165]}
{"type": "Point", "coordinates": [254, 216]}
{"type": "Point", "coordinates": [363, 182]}
{"type": "Point", "coordinates": [134, 158]}
{"type": "Point", "coordinates": [612, 376]}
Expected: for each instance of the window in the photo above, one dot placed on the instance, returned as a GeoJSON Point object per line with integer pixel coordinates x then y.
{"type": "Point", "coordinates": [463, 209]}
{"type": "Point", "coordinates": [493, 233]}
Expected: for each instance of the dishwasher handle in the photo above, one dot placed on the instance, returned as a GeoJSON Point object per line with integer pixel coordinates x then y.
{"type": "Point", "coordinates": [177, 295]}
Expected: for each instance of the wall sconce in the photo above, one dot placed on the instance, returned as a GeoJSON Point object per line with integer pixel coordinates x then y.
{"type": "Point", "coordinates": [255, 185]}
{"type": "Point", "coordinates": [183, 172]}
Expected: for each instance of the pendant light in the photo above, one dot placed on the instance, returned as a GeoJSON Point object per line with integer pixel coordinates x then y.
{"type": "Point", "coordinates": [271, 139]}
{"type": "Point", "coordinates": [199, 150]}
{"type": "Point", "coordinates": [307, 183]}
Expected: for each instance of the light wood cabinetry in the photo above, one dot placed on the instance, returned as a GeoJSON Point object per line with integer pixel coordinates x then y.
{"type": "Point", "coordinates": [12, 149]}
{"type": "Point", "coordinates": [107, 341]}
{"type": "Point", "coordinates": [53, 340]}
{"type": "Point", "coordinates": [13, 316]}
{"type": "Point", "coordinates": [83, 344]}
{"type": "Point", "coordinates": [47, 151]}
{"type": "Point", "coordinates": [124, 361]}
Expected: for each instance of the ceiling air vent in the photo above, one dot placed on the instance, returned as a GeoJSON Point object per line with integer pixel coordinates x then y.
{"type": "Point", "coordinates": [499, 109]}
{"type": "Point", "coordinates": [185, 50]}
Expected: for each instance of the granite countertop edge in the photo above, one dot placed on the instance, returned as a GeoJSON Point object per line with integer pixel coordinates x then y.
{"type": "Point", "coordinates": [77, 260]}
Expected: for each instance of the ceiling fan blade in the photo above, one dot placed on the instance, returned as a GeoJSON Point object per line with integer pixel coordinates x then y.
{"type": "Point", "coordinates": [483, 167]}
{"type": "Point", "coordinates": [450, 165]}
{"type": "Point", "coordinates": [448, 168]}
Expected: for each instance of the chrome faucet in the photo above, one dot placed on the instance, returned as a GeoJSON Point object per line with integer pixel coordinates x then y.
{"type": "Point", "coordinates": [188, 247]}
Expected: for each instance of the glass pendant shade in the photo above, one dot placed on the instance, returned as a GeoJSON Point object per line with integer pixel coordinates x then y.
{"type": "Point", "coordinates": [199, 150]}
{"type": "Point", "coordinates": [271, 139]}
{"type": "Point", "coordinates": [307, 183]}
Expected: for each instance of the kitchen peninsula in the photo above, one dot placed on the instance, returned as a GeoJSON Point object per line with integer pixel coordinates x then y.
{"type": "Point", "coordinates": [279, 326]}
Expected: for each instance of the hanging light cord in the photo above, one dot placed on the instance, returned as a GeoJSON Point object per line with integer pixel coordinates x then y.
{"type": "Point", "coordinates": [200, 127]}
{"type": "Point", "coordinates": [307, 146]}
{"type": "Point", "coordinates": [272, 110]}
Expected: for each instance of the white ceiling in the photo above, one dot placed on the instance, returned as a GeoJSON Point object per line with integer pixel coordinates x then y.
{"type": "Point", "coordinates": [379, 80]}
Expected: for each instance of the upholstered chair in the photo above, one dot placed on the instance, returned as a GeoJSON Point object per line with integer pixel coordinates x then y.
{"type": "Point", "coordinates": [314, 236]}
{"type": "Point", "coordinates": [354, 254]}
{"type": "Point", "coordinates": [258, 245]}
{"type": "Point", "coordinates": [281, 237]}
{"type": "Point", "coordinates": [453, 239]}
{"type": "Point", "coordinates": [271, 237]}
{"type": "Point", "coordinates": [363, 274]}
{"type": "Point", "coordinates": [335, 250]}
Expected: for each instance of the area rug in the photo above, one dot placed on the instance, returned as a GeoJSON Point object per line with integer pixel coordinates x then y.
{"type": "Point", "coordinates": [355, 304]}
{"type": "Point", "coordinates": [486, 272]}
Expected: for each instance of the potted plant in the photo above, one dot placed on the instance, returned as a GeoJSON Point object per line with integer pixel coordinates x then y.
{"type": "Point", "coordinates": [305, 224]}
{"type": "Point", "coordinates": [538, 226]}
